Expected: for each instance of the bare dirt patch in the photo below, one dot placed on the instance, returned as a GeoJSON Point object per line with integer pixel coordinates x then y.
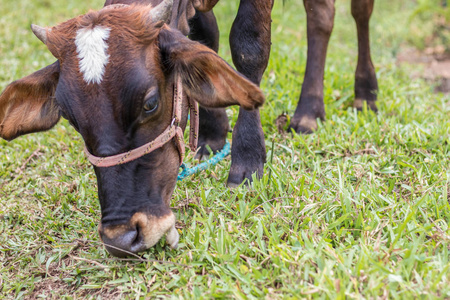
{"type": "Point", "coordinates": [434, 65]}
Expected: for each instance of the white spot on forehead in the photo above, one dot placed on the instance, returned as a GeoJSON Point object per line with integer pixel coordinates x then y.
{"type": "Point", "coordinates": [91, 48]}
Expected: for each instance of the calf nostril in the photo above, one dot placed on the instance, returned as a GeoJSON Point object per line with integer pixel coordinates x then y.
{"type": "Point", "coordinates": [128, 238]}
{"type": "Point", "coordinates": [125, 243]}
{"type": "Point", "coordinates": [137, 239]}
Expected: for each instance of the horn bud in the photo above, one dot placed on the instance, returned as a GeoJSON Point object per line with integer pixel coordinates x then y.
{"type": "Point", "coordinates": [161, 12]}
{"type": "Point", "coordinates": [40, 32]}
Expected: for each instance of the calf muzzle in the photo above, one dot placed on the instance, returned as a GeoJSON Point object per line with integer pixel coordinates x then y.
{"type": "Point", "coordinates": [140, 233]}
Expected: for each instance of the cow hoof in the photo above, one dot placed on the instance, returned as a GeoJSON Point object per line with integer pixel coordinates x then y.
{"type": "Point", "coordinates": [214, 144]}
{"type": "Point", "coordinates": [243, 174]}
{"type": "Point", "coordinates": [246, 161]}
{"type": "Point", "coordinates": [235, 179]}
{"type": "Point", "coordinates": [305, 124]}
{"type": "Point", "coordinates": [232, 185]}
{"type": "Point", "coordinates": [359, 104]}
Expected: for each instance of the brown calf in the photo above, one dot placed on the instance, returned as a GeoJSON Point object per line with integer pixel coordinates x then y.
{"type": "Point", "coordinates": [114, 81]}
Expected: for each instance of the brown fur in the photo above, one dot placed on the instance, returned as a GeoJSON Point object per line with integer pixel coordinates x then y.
{"type": "Point", "coordinates": [181, 12]}
{"type": "Point", "coordinates": [131, 21]}
{"type": "Point", "coordinates": [198, 63]}
{"type": "Point", "coordinates": [204, 5]}
{"type": "Point", "coordinates": [22, 103]}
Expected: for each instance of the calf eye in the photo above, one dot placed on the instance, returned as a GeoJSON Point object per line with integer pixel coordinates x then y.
{"type": "Point", "coordinates": [151, 103]}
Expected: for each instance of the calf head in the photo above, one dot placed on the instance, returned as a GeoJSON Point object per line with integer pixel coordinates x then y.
{"type": "Point", "coordinates": [114, 82]}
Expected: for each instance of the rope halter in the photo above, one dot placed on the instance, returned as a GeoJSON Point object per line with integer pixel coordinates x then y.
{"type": "Point", "coordinates": [172, 131]}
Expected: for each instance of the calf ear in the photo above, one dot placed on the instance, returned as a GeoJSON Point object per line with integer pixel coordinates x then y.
{"type": "Point", "coordinates": [206, 77]}
{"type": "Point", "coordinates": [28, 105]}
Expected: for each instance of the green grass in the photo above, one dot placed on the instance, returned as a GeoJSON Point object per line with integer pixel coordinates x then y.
{"type": "Point", "coordinates": [359, 209]}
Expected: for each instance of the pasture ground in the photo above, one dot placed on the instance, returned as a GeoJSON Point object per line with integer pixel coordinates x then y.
{"type": "Point", "coordinates": [359, 209]}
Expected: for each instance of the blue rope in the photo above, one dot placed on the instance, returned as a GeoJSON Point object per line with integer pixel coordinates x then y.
{"type": "Point", "coordinates": [204, 165]}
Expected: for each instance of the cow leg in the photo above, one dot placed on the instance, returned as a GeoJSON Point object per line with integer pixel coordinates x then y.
{"type": "Point", "coordinates": [366, 85]}
{"type": "Point", "coordinates": [320, 20]}
{"type": "Point", "coordinates": [250, 48]}
{"type": "Point", "coordinates": [213, 123]}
